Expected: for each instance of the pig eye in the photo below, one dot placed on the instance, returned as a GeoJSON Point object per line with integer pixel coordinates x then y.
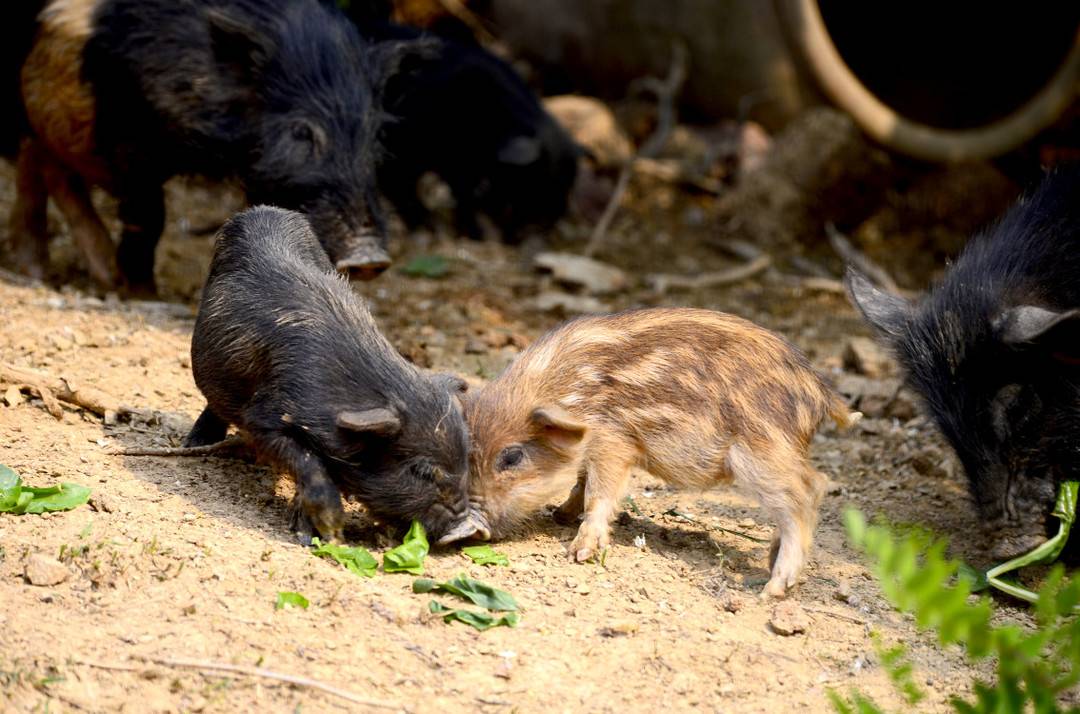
{"type": "Point", "coordinates": [302, 132]}
{"type": "Point", "coordinates": [509, 457]}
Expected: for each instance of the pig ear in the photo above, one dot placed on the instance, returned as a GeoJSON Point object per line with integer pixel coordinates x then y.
{"type": "Point", "coordinates": [1028, 323]}
{"type": "Point", "coordinates": [558, 427]}
{"type": "Point", "coordinates": [383, 422]}
{"type": "Point", "coordinates": [520, 151]}
{"type": "Point", "coordinates": [888, 313]}
{"type": "Point", "coordinates": [236, 45]}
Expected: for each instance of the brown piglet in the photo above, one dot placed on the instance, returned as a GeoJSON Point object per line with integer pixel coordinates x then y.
{"type": "Point", "coordinates": [694, 397]}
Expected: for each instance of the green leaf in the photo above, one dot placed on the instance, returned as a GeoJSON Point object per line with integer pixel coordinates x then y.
{"type": "Point", "coordinates": [475, 591]}
{"type": "Point", "coordinates": [290, 599]}
{"type": "Point", "coordinates": [357, 560]}
{"type": "Point", "coordinates": [409, 556]}
{"type": "Point", "coordinates": [976, 579]}
{"type": "Point", "coordinates": [485, 555]}
{"type": "Point", "coordinates": [1047, 552]}
{"type": "Point", "coordinates": [16, 498]}
{"type": "Point", "coordinates": [60, 498]}
{"type": "Point", "coordinates": [480, 620]}
{"type": "Point", "coordinates": [427, 266]}
{"type": "Point", "coordinates": [10, 487]}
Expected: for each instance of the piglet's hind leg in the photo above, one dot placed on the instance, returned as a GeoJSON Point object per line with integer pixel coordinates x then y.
{"type": "Point", "coordinates": [791, 492]}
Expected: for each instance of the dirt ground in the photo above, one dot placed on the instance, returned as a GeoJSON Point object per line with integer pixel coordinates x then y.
{"type": "Point", "coordinates": [182, 559]}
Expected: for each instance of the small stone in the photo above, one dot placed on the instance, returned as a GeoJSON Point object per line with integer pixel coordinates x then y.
{"type": "Point", "coordinates": [504, 669]}
{"type": "Point", "coordinates": [746, 523]}
{"type": "Point", "coordinates": [930, 461]}
{"type": "Point", "coordinates": [474, 346]}
{"type": "Point", "coordinates": [592, 125]}
{"type": "Point", "coordinates": [620, 628]}
{"type": "Point", "coordinates": [44, 571]}
{"type": "Point", "coordinates": [110, 417]}
{"type": "Point", "coordinates": [730, 601]}
{"type": "Point", "coordinates": [866, 357]}
{"type": "Point", "coordinates": [102, 504]}
{"type": "Point", "coordinates": [788, 618]}
{"type": "Point", "coordinates": [553, 300]}
{"type": "Point", "coordinates": [579, 271]}
{"type": "Point", "coordinates": [13, 396]}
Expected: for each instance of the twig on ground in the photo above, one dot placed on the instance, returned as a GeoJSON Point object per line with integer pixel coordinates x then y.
{"type": "Point", "coordinates": [235, 445]}
{"type": "Point", "coordinates": [207, 666]}
{"type": "Point", "coordinates": [666, 91]}
{"type": "Point", "coordinates": [60, 388]}
{"type": "Point", "coordinates": [662, 282]}
{"type": "Point", "coordinates": [860, 261]}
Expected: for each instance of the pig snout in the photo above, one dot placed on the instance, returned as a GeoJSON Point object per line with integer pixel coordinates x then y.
{"type": "Point", "coordinates": [362, 258]}
{"type": "Point", "coordinates": [473, 527]}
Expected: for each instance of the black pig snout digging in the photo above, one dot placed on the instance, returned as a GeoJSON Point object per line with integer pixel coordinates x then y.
{"type": "Point", "coordinates": [994, 351]}
{"type": "Point", "coordinates": [284, 349]}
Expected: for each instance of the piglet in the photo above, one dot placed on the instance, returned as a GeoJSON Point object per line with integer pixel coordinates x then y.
{"type": "Point", "coordinates": [693, 397]}
{"type": "Point", "coordinates": [284, 350]}
{"type": "Point", "coordinates": [994, 351]}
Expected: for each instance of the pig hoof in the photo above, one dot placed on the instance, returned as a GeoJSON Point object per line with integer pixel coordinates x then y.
{"type": "Point", "coordinates": [775, 589]}
{"type": "Point", "coordinates": [587, 544]}
{"type": "Point", "coordinates": [366, 264]}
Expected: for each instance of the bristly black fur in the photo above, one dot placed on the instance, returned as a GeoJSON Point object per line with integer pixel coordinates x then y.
{"type": "Point", "coordinates": [461, 112]}
{"type": "Point", "coordinates": [283, 348]}
{"type": "Point", "coordinates": [994, 350]}
{"type": "Point", "coordinates": [282, 94]}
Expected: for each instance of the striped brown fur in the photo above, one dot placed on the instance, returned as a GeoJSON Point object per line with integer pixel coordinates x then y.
{"type": "Point", "coordinates": [694, 397]}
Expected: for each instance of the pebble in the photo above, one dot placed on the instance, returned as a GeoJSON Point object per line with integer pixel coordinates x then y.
{"type": "Point", "coordinates": [577, 270]}
{"type": "Point", "coordinates": [13, 396]}
{"type": "Point", "coordinates": [43, 571]}
{"type": "Point", "coordinates": [866, 357]}
{"type": "Point", "coordinates": [620, 628]}
{"type": "Point", "coordinates": [788, 618]}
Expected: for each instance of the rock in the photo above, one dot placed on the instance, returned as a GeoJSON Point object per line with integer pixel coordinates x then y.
{"type": "Point", "coordinates": [730, 601]}
{"type": "Point", "coordinates": [620, 628]}
{"type": "Point", "coordinates": [593, 126]}
{"type": "Point", "coordinates": [567, 303]}
{"type": "Point", "coordinates": [788, 618]}
{"type": "Point", "coordinates": [474, 346]}
{"type": "Point", "coordinates": [902, 407]}
{"type": "Point", "coordinates": [44, 571]}
{"type": "Point", "coordinates": [578, 271]}
{"type": "Point", "coordinates": [866, 357]}
{"type": "Point", "coordinates": [102, 504]}
{"type": "Point", "coordinates": [870, 396]}
{"type": "Point", "coordinates": [13, 396]}
{"type": "Point", "coordinates": [930, 461]}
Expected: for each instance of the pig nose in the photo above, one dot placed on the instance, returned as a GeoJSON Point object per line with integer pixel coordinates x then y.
{"type": "Point", "coordinates": [466, 530]}
{"type": "Point", "coordinates": [364, 260]}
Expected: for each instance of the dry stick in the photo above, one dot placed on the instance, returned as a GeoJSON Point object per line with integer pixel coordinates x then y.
{"type": "Point", "coordinates": [65, 390]}
{"type": "Point", "coordinates": [666, 91]}
{"type": "Point", "coordinates": [662, 282]}
{"type": "Point", "coordinates": [228, 444]}
{"type": "Point", "coordinates": [266, 674]}
{"type": "Point", "coordinates": [856, 258]}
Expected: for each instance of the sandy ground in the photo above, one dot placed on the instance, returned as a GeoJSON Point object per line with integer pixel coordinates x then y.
{"type": "Point", "coordinates": [182, 559]}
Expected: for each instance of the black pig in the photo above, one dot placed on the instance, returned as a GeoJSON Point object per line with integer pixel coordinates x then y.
{"type": "Point", "coordinates": [464, 114]}
{"type": "Point", "coordinates": [281, 94]}
{"type": "Point", "coordinates": [994, 350]}
{"type": "Point", "coordinates": [284, 350]}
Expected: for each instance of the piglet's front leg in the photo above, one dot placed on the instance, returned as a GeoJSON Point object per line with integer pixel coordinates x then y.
{"type": "Point", "coordinates": [607, 468]}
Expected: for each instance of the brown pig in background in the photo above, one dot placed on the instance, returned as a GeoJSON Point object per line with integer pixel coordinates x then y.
{"type": "Point", "coordinates": [694, 397]}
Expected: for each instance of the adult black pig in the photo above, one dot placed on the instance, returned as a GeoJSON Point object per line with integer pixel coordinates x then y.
{"type": "Point", "coordinates": [994, 350]}
{"type": "Point", "coordinates": [461, 112]}
{"type": "Point", "coordinates": [285, 350]}
{"type": "Point", "coordinates": [281, 94]}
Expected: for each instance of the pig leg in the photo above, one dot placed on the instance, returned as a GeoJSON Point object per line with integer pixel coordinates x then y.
{"type": "Point", "coordinates": [72, 197]}
{"type": "Point", "coordinates": [571, 509]}
{"type": "Point", "coordinates": [28, 227]}
{"type": "Point", "coordinates": [791, 491]}
{"type": "Point", "coordinates": [142, 212]}
{"type": "Point", "coordinates": [209, 428]}
{"type": "Point", "coordinates": [607, 473]}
